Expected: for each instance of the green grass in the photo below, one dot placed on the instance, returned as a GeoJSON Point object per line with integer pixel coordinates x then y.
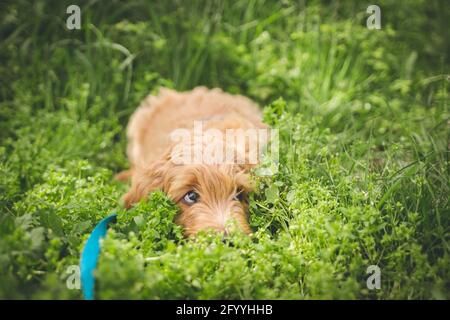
{"type": "Point", "coordinates": [364, 171]}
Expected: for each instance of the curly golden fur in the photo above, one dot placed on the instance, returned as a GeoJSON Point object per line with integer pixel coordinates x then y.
{"type": "Point", "coordinates": [209, 195]}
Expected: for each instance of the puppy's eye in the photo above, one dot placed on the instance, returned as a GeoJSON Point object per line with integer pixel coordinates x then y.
{"type": "Point", "coordinates": [191, 197]}
{"type": "Point", "coordinates": [239, 196]}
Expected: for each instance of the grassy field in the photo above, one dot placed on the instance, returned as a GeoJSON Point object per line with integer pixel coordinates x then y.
{"type": "Point", "coordinates": [364, 129]}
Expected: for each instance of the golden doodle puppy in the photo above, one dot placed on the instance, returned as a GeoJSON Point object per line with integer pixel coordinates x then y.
{"type": "Point", "coordinates": [198, 147]}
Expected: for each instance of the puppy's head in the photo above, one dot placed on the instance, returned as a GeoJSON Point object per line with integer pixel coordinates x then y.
{"type": "Point", "coordinates": [209, 196]}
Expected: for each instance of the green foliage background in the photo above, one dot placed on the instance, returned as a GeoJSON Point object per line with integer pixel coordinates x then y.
{"type": "Point", "coordinates": [364, 125]}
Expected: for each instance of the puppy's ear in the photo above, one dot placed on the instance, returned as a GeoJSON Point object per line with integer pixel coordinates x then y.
{"type": "Point", "coordinates": [145, 180]}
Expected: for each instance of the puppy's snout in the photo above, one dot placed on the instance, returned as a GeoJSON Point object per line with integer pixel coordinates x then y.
{"type": "Point", "coordinates": [226, 237]}
{"type": "Point", "coordinates": [224, 231]}
{"type": "Point", "coordinates": [225, 219]}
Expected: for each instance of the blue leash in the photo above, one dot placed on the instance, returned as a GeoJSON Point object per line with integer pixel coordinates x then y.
{"type": "Point", "coordinates": [90, 254]}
